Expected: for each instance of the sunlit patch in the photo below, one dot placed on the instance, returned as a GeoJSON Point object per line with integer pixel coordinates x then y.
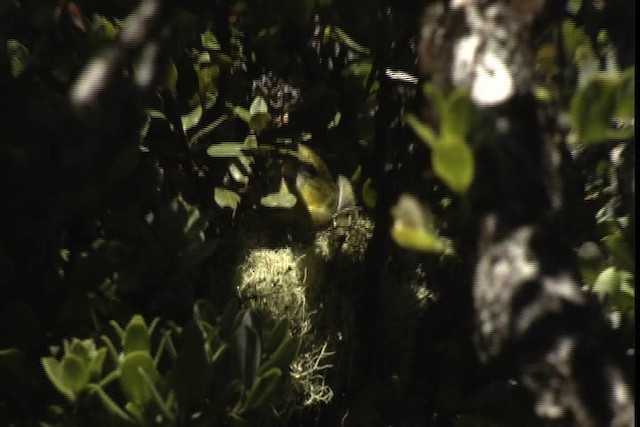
{"type": "Point", "coordinates": [493, 83]}
{"type": "Point", "coordinates": [145, 72]}
{"type": "Point", "coordinates": [477, 65]}
{"type": "Point", "coordinates": [492, 59]}
{"type": "Point", "coordinates": [401, 76]}
{"type": "Point", "coordinates": [464, 59]}
{"type": "Point", "coordinates": [85, 90]}
{"type": "Point", "coordinates": [280, 199]}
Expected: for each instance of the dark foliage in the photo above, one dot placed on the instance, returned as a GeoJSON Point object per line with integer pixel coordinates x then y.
{"type": "Point", "coordinates": [314, 213]}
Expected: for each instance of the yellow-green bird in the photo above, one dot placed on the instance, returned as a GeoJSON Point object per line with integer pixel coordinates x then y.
{"type": "Point", "coordinates": [320, 194]}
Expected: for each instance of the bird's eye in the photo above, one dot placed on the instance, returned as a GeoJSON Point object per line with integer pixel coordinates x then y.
{"type": "Point", "coordinates": [307, 169]}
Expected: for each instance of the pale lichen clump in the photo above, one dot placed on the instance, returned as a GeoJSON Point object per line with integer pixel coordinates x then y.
{"type": "Point", "coordinates": [273, 282]}
{"type": "Point", "coordinates": [350, 239]}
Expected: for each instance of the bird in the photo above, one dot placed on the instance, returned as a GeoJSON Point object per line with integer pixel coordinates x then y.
{"type": "Point", "coordinates": [319, 193]}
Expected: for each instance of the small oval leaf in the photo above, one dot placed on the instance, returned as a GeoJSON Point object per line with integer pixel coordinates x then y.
{"type": "Point", "coordinates": [279, 200]}
{"type": "Point", "coordinates": [136, 336]}
{"type": "Point", "coordinates": [73, 373]}
{"type": "Point", "coordinates": [192, 118]}
{"type": "Point", "coordinates": [419, 240]}
{"type": "Point", "coordinates": [607, 282]}
{"type": "Point", "coordinates": [258, 106]}
{"type": "Point", "coordinates": [282, 199]}
{"type": "Point", "coordinates": [19, 57]}
{"type": "Point", "coordinates": [453, 162]}
{"type": "Point", "coordinates": [226, 198]}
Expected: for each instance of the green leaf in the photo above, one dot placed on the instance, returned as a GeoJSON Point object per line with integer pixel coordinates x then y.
{"type": "Point", "coordinates": [453, 162]}
{"type": "Point", "coordinates": [74, 373]}
{"type": "Point", "coordinates": [576, 43]}
{"type": "Point", "coordinates": [258, 106]}
{"type": "Point", "coordinates": [136, 412]}
{"type": "Point", "coordinates": [214, 346]}
{"type": "Point", "coordinates": [283, 356]}
{"type": "Point", "coordinates": [618, 289]}
{"type": "Point", "coordinates": [249, 352]}
{"type": "Point", "coordinates": [19, 57]}
{"type": "Point", "coordinates": [360, 69]}
{"type": "Point", "coordinates": [627, 284]}
{"type": "Point", "coordinates": [421, 129]}
{"type": "Point", "coordinates": [207, 87]}
{"type": "Point", "coordinates": [243, 113]}
{"type": "Point", "coordinates": [619, 249]}
{"type": "Point", "coordinates": [81, 349]}
{"type": "Point", "coordinates": [132, 382]}
{"type": "Point", "coordinates": [607, 282]}
{"type": "Point", "coordinates": [262, 391]}
{"type": "Point", "coordinates": [195, 223]}
{"type": "Point", "coordinates": [625, 95]}
{"type": "Point", "coordinates": [191, 119]}
{"type": "Point", "coordinates": [573, 6]}
{"type": "Point", "coordinates": [225, 149]}
{"type": "Point", "coordinates": [336, 120]}
{"type": "Point", "coordinates": [259, 122]}
{"type": "Point", "coordinates": [455, 119]}
{"type": "Point", "coordinates": [102, 30]}
{"type": "Point", "coordinates": [226, 198]}
{"type": "Point", "coordinates": [136, 336]}
{"type": "Point", "coordinates": [435, 95]}
{"type": "Point", "coordinates": [349, 42]}
{"type": "Point", "coordinates": [278, 334]}
{"type": "Point", "coordinates": [419, 240]}
{"type": "Point", "coordinates": [592, 108]}
{"type": "Point", "coordinates": [250, 142]}
{"type": "Point", "coordinates": [108, 403]}
{"type": "Point", "coordinates": [156, 114]}
{"type": "Point", "coordinates": [226, 326]}
{"type": "Point", "coordinates": [281, 199]}
{"type": "Point", "coordinates": [346, 197]}
{"type": "Point", "coordinates": [209, 41]}
{"type": "Point", "coordinates": [53, 371]}
{"type": "Point", "coordinates": [259, 115]}
{"type": "Point", "coordinates": [95, 366]}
